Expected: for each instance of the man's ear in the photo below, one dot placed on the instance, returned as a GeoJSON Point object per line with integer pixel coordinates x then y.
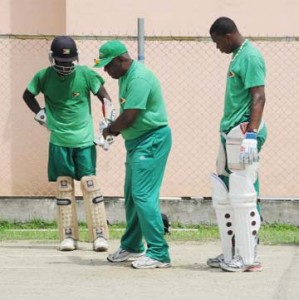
{"type": "Point", "coordinates": [228, 36]}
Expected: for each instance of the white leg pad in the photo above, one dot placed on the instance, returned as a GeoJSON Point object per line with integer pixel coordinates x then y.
{"type": "Point", "coordinates": [224, 215]}
{"type": "Point", "coordinates": [94, 208]}
{"type": "Point", "coordinates": [67, 212]}
{"type": "Point", "coordinates": [243, 199]}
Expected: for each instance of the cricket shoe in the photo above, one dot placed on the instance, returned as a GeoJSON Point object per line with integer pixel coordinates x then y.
{"type": "Point", "coordinates": [123, 255]}
{"type": "Point", "coordinates": [146, 262]}
{"type": "Point", "coordinates": [68, 244]}
{"type": "Point", "coordinates": [100, 244]}
{"type": "Point", "coordinates": [215, 261]}
{"type": "Point", "coordinates": [237, 265]}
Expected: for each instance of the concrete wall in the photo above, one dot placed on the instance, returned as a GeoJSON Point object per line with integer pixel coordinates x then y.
{"type": "Point", "coordinates": [192, 211]}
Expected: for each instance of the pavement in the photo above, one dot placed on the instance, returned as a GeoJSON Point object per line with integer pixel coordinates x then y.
{"type": "Point", "coordinates": [36, 270]}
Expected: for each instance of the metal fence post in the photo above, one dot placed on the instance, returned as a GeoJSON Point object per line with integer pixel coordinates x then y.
{"type": "Point", "coordinates": [140, 40]}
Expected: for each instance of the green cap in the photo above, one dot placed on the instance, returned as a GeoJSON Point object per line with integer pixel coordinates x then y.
{"type": "Point", "coordinates": [108, 51]}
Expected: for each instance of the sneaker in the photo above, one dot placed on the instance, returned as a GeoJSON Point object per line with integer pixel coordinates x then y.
{"type": "Point", "coordinates": [146, 262]}
{"type": "Point", "coordinates": [216, 261]}
{"type": "Point", "coordinates": [100, 244]}
{"type": "Point", "coordinates": [237, 265]}
{"type": "Point", "coordinates": [123, 255]}
{"type": "Point", "coordinates": [68, 244]}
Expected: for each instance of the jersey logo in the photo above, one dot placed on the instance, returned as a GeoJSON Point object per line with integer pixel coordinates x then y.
{"type": "Point", "coordinates": [122, 100]}
{"type": "Point", "coordinates": [231, 74]}
{"type": "Point", "coordinates": [75, 94]}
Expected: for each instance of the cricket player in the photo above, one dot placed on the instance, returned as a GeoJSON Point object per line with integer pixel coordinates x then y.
{"type": "Point", "coordinates": [66, 87]}
{"type": "Point", "coordinates": [143, 124]}
{"type": "Point", "coordinates": [235, 187]}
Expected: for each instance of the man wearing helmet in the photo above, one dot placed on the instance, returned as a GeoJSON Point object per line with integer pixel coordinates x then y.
{"type": "Point", "coordinates": [72, 154]}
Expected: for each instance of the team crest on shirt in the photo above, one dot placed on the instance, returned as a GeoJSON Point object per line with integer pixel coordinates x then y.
{"type": "Point", "coordinates": [122, 100]}
{"type": "Point", "coordinates": [75, 94]}
{"type": "Point", "coordinates": [231, 74]}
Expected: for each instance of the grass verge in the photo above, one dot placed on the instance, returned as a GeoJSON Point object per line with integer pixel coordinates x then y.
{"type": "Point", "coordinates": [275, 234]}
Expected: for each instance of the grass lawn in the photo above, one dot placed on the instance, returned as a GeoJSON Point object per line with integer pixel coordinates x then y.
{"type": "Point", "coordinates": [275, 234]}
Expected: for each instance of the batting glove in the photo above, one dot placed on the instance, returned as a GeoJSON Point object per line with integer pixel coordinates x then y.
{"type": "Point", "coordinates": [101, 141]}
{"type": "Point", "coordinates": [41, 117]}
{"type": "Point", "coordinates": [248, 152]}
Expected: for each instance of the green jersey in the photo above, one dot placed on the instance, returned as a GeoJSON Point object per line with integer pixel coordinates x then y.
{"type": "Point", "coordinates": [140, 89]}
{"type": "Point", "coordinates": [247, 69]}
{"type": "Point", "coordinates": [67, 101]}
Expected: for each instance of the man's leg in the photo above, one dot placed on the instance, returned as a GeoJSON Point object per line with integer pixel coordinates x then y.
{"type": "Point", "coordinates": [148, 166]}
{"type": "Point", "coordinates": [225, 219]}
{"type": "Point", "coordinates": [95, 213]}
{"type": "Point", "coordinates": [247, 223]}
{"type": "Point", "coordinates": [67, 214]}
{"type": "Point", "coordinates": [131, 246]}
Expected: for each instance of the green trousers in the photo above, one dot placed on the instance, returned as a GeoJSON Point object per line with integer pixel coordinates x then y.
{"type": "Point", "coordinates": [145, 165]}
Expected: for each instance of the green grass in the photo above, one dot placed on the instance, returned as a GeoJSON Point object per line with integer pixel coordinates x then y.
{"type": "Point", "coordinates": [44, 231]}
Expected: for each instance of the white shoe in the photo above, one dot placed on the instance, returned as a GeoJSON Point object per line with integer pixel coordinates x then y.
{"type": "Point", "coordinates": [100, 244]}
{"type": "Point", "coordinates": [216, 261]}
{"type": "Point", "coordinates": [237, 265]}
{"type": "Point", "coordinates": [123, 255]}
{"type": "Point", "coordinates": [68, 244]}
{"type": "Point", "coordinates": [146, 262]}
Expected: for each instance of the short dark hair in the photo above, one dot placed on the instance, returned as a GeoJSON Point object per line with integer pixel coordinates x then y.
{"type": "Point", "coordinates": [222, 26]}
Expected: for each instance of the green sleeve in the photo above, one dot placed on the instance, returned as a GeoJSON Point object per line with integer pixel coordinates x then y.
{"type": "Point", "coordinates": [95, 81]}
{"type": "Point", "coordinates": [35, 85]}
{"type": "Point", "coordinates": [253, 72]}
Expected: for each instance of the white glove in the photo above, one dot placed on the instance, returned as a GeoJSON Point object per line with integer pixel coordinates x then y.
{"type": "Point", "coordinates": [41, 117]}
{"type": "Point", "coordinates": [248, 151]}
{"type": "Point", "coordinates": [109, 111]}
{"type": "Point", "coordinates": [100, 140]}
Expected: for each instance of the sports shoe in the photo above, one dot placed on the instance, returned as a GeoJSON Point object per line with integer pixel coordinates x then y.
{"type": "Point", "coordinates": [146, 262]}
{"type": "Point", "coordinates": [237, 265]}
{"type": "Point", "coordinates": [123, 255]}
{"type": "Point", "coordinates": [68, 244]}
{"type": "Point", "coordinates": [100, 244]}
{"type": "Point", "coordinates": [216, 261]}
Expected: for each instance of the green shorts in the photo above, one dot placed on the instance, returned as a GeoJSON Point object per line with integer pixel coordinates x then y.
{"type": "Point", "coordinates": [72, 162]}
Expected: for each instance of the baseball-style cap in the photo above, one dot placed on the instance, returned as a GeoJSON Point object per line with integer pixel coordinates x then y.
{"type": "Point", "coordinates": [108, 51]}
{"type": "Point", "coordinates": [64, 48]}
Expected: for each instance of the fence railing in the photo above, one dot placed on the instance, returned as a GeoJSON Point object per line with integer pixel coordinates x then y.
{"type": "Point", "coordinates": [192, 73]}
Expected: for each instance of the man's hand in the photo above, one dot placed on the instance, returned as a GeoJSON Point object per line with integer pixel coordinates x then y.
{"type": "Point", "coordinates": [41, 117]}
{"type": "Point", "coordinates": [248, 151]}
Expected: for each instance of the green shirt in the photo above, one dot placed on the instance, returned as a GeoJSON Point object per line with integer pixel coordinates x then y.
{"type": "Point", "coordinates": [67, 101]}
{"type": "Point", "coordinates": [247, 69]}
{"type": "Point", "coordinates": [140, 89]}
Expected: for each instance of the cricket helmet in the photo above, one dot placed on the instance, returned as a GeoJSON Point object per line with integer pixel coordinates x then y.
{"type": "Point", "coordinates": [63, 53]}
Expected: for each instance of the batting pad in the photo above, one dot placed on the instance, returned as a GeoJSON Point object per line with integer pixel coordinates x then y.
{"type": "Point", "coordinates": [67, 211]}
{"type": "Point", "coordinates": [94, 208]}
{"type": "Point", "coordinates": [247, 219]}
{"type": "Point", "coordinates": [224, 215]}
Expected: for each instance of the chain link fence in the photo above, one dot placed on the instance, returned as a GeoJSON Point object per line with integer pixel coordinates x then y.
{"type": "Point", "coordinates": [193, 74]}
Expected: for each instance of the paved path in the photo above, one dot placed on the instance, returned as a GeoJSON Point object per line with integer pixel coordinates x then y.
{"type": "Point", "coordinates": [34, 270]}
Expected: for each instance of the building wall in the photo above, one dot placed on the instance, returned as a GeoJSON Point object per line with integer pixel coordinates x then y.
{"type": "Point", "coordinates": [168, 17]}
